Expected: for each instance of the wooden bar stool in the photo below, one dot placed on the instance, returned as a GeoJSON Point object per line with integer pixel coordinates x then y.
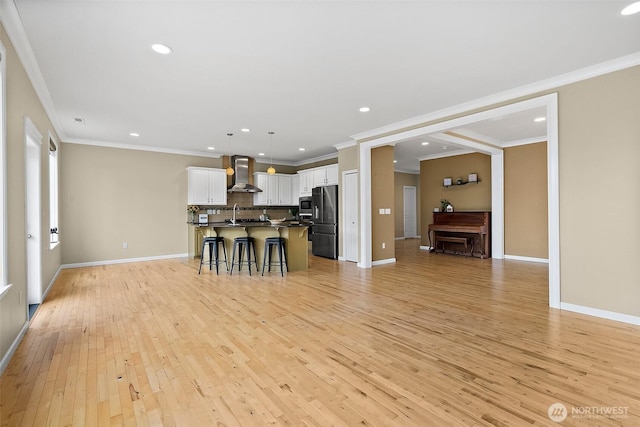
{"type": "Point", "coordinates": [269, 243]}
{"type": "Point", "coordinates": [240, 243]}
{"type": "Point", "coordinates": [214, 258]}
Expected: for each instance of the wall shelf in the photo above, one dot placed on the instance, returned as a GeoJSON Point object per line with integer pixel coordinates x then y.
{"type": "Point", "coordinates": [455, 184]}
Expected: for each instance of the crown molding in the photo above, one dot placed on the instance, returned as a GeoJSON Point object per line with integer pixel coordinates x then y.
{"type": "Point", "coordinates": [448, 154]}
{"type": "Point", "coordinates": [140, 148]}
{"type": "Point", "coordinates": [343, 145]}
{"type": "Point", "coordinates": [411, 172]}
{"type": "Point", "coordinates": [276, 162]}
{"type": "Point", "coordinates": [508, 95]}
{"type": "Point", "coordinates": [526, 141]}
{"type": "Point", "coordinates": [316, 159]}
{"type": "Point", "coordinates": [15, 30]}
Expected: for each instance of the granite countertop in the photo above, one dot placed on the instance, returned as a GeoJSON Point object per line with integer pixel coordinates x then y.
{"type": "Point", "coordinates": [245, 224]}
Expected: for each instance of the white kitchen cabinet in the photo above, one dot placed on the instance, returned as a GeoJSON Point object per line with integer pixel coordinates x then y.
{"type": "Point", "coordinates": [331, 174]}
{"type": "Point", "coordinates": [206, 186]}
{"type": "Point", "coordinates": [305, 182]}
{"type": "Point", "coordinates": [325, 175]}
{"type": "Point", "coordinates": [276, 190]}
{"type": "Point", "coordinates": [285, 189]}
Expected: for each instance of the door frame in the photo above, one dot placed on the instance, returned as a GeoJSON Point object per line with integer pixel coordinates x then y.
{"type": "Point", "coordinates": [345, 200]}
{"type": "Point", "coordinates": [33, 209]}
{"type": "Point", "coordinates": [550, 102]}
{"type": "Point", "coordinates": [404, 210]}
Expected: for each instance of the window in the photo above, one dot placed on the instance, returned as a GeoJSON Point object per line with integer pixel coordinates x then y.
{"type": "Point", "coordinates": [53, 192]}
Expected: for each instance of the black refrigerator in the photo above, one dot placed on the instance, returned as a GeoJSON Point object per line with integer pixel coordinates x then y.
{"type": "Point", "coordinates": [324, 240]}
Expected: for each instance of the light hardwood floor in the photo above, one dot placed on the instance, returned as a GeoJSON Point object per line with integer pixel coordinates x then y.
{"type": "Point", "coordinates": [433, 340]}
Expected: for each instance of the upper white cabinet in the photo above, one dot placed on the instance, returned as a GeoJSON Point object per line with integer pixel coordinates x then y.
{"type": "Point", "coordinates": [317, 177]}
{"type": "Point", "coordinates": [277, 190]}
{"type": "Point", "coordinates": [207, 186]}
{"type": "Point", "coordinates": [305, 182]}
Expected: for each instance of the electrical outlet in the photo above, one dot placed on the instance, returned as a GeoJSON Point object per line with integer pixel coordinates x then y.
{"type": "Point", "coordinates": [125, 245]}
{"type": "Point", "coordinates": [384, 245]}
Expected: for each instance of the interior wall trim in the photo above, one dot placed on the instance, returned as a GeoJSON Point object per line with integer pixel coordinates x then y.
{"type": "Point", "coordinates": [123, 261]}
{"type": "Point", "coordinates": [527, 258]}
{"type": "Point", "coordinates": [383, 261]}
{"type": "Point", "coordinates": [53, 280]}
{"type": "Point", "coordinates": [14, 346]}
{"type": "Point", "coordinates": [604, 314]}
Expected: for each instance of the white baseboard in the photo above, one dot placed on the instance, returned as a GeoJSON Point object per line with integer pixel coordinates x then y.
{"type": "Point", "coordinates": [400, 238]}
{"type": "Point", "coordinates": [383, 261]}
{"type": "Point", "coordinates": [596, 312]}
{"type": "Point", "coordinates": [425, 248]}
{"type": "Point", "coordinates": [526, 258]}
{"type": "Point", "coordinates": [53, 280]}
{"type": "Point", "coordinates": [406, 238]}
{"type": "Point", "coordinates": [14, 346]}
{"type": "Point", "coordinates": [123, 261]}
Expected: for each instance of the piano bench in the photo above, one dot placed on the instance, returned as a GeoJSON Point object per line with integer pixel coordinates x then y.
{"type": "Point", "coordinates": [450, 239]}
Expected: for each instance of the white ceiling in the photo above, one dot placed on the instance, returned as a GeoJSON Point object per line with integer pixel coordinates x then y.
{"type": "Point", "coordinates": [303, 68]}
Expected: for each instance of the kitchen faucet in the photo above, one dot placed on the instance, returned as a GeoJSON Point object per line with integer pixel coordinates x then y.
{"type": "Point", "coordinates": [233, 220]}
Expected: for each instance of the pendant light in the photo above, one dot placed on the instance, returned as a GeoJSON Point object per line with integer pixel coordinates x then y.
{"type": "Point", "coordinates": [230, 170]}
{"type": "Point", "coordinates": [271, 169]}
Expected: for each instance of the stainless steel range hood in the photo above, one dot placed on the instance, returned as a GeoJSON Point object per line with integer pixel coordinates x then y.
{"type": "Point", "coordinates": [241, 179]}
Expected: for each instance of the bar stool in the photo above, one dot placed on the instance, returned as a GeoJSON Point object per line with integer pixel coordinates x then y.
{"type": "Point", "coordinates": [269, 243]}
{"type": "Point", "coordinates": [241, 243]}
{"type": "Point", "coordinates": [213, 243]}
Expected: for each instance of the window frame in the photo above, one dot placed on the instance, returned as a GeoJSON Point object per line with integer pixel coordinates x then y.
{"type": "Point", "coordinates": [4, 273]}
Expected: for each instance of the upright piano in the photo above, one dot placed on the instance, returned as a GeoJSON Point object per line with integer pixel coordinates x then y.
{"type": "Point", "coordinates": [472, 225]}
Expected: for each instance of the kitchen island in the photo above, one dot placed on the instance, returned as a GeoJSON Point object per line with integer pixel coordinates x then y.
{"type": "Point", "coordinates": [295, 235]}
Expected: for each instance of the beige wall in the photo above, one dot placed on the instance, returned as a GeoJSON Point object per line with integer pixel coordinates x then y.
{"type": "Point", "coordinates": [470, 197]}
{"type": "Point", "coordinates": [400, 181]}
{"type": "Point", "coordinates": [21, 102]}
{"type": "Point", "coordinates": [318, 164]}
{"type": "Point", "coordinates": [525, 201]}
{"type": "Point", "coordinates": [599, 148]}
{"type": "Point", "coordinates": [111, 196]}
{"type": "Point", "coordinates": [382, 229]}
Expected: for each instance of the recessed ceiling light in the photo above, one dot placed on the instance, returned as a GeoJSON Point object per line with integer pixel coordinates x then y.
{"type": "Point", "coordinates": [444, 147]}
{"type": "Point", "coordinates": [301, 149]}
{"type": "Point", "coordinates": [539, 119]}
{"type": "Point", "coordinates": [211, 148]}
{"type": "Point", "coordinates": [162, 49]}
{"type": "Point", "coordinates": [395, 161]}
{"type": "Point", "coordinates": [631, 9]}
{"type": "Point", "coordinates": [425, 143]}
{"type": "Point", "coordinates": [260, 154]}
{"type": "Point", "coordinates": [134, 134]}
{"type": "Point", "coordinates": [245, 130]}
{"type": "Point", "coordinates": [364, 109]}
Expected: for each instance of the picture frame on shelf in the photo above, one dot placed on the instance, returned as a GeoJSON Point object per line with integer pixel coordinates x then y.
{"type": "Point", "coordinates": [447, 182]}
{"type": "Point", "coordinates": [473, 177]}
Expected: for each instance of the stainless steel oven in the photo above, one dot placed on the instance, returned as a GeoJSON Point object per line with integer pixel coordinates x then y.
{"type": "Point", "coordinates": [305, 208]}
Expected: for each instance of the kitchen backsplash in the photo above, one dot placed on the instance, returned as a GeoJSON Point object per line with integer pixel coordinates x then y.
{"type": "Point", "coordinates": [247, 210]}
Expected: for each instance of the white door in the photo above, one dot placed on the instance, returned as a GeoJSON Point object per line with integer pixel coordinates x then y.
{"type": "Point", "coordinates": [409, 212]}
{"type": "Point", "coordinates": [350, 195]}
{"type": "Point", "coordinates": [33, 213]}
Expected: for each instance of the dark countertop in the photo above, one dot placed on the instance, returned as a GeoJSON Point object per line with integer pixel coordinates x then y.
{"type": "Point", "coordinates": [245, 224]}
